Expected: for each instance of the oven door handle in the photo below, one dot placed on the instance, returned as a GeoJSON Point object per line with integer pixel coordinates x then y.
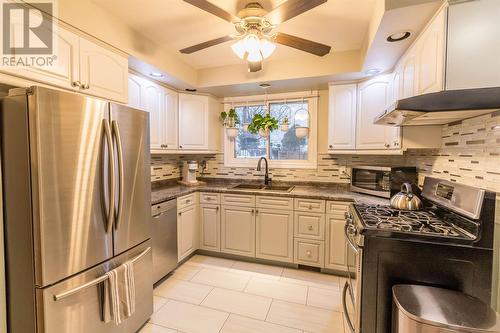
{"type": "Point", "coordinates": [349, 241]}
{"type": "Point", "coordinates": [344, 305]}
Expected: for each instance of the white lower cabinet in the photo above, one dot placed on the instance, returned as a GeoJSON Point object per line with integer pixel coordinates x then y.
{"type": "Point", "coordinates": [335, 257]}
{"type": "Point", "coordinates": [274, 235]}
{"type": "Point", "coordinates": [309, 252]}
{"type": "Point", "coordinates": [187, 231]}
{"type": "Point", "coordinates": [210, 227]}
{"type": "Point", "coordinates": [238, 230]}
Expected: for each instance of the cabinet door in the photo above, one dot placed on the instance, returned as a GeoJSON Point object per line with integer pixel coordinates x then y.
{"type": "Point", "coordinates": [274, 235]}
{"type": "Point", "coordinates": [65, 66]}
{"type": "Point", "coordinates": [409, 71]}
{"type": "Point", "coordinates": [335, 257]}
{"type": "Point", "coordinates": [104, 71]}
{"type": "Point", "coordinates": [210, 227]}
{"type": "Point", "coordinates": [193, 122]}
{"type": "Point", "coordinates": [342, 117]}
{"type": "Point", "coordinates": [431, 55]}
{"type": "Point", "coordinates": [238, 230]}
{"type": "Point", "coordinates": [171, 111]}
{"type": "Point", "coordinates": [153, 103]}
{"type": "Point", "coordinates": [186, 232]}
{"type": "Point", "coordinates": [135, 92]}
{"type": "Point", "coordinates": [372, 101]}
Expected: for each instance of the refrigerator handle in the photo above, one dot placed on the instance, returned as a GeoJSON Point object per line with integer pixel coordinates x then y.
{"type": "Point", "coordinates": [111, 170]}
{"type": "Point", "coordinates": [116, 132]}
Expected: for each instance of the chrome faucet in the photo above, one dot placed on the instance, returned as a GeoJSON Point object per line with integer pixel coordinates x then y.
{"type": "Point", "coordinates": [267, 180]}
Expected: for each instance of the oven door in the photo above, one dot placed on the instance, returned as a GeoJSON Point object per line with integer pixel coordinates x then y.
{"type": "Point", "coordinates": [372, 180]}
{"type": "Point", "coordinates": [351, 293]}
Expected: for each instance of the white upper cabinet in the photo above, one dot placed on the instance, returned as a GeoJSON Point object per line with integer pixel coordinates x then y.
{"type": "Point", "coordinates": [161, 103]}
{"type": "Point", "coordinates": [64, 70]}
{"type": "Point", "coordinates": [102, 72]}
{"type": "Point", "coordinates": [170, 103]}
{"type": "Point", "coordinates": [431, 56]}
{"type": "Point", "coordinates": [193, 122]}
{"type": "Point", "coordinates": [342, 116]}
{"type": "Point", "coordinates": [79, 64]}
{"type": "Point", "coordinates": [153, 103]}
{"type": "Point", "coordinates": [373, 98]}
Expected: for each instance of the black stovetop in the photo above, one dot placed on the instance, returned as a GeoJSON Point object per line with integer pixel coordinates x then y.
{"type": "Point", "coordinates": [430, 222]}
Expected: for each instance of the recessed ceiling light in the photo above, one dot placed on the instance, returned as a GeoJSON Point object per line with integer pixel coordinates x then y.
{"type": "Point", "coordinates": [372, 71]}
{"type": "Point", "coordinates": [398, 36]}
{"type": "Point", "coordinates": [264, 85]}
{"type": "Point", "coordinates": [156, 74]}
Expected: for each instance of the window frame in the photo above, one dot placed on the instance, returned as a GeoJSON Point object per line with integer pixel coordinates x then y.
{"type": "Point", "coordinates": [312, 155]}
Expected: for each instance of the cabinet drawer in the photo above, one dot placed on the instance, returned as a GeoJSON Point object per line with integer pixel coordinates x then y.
{"type": "Point", "coordinates": [310, 205]}
{"type": "Point", "coordinates": [274, 202]}
{"type": "Point", "coordinates": [238, 200]}
{"type": "Point", "coordinates": [187, 200]}
{"type": "Point", "coordinates": [309, 252]}
{"type": "Point", "coordinates": [337, 207]}
{"type": "Point", "coordinates": [309, 225]}
{"type": "Point", "coordinates": [210, 198]}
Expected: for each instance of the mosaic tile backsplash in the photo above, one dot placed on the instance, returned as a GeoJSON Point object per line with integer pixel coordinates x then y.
{"type": "Point", "coordinates": [470, 154]}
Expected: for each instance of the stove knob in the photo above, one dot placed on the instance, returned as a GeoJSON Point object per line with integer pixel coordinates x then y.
{"type": "Point", "coordinates": [348, 215]}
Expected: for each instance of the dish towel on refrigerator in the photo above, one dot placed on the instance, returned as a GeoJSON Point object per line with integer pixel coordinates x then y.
{"type": "Point", "coordinates": [119, 293]}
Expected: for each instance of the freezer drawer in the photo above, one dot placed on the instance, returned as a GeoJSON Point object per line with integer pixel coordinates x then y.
{"type": "Point", "coordinates": [81, 312]}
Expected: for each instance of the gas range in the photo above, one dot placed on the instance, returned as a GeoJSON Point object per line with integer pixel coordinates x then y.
{"type": "Point", "coordinates": [429, 222]}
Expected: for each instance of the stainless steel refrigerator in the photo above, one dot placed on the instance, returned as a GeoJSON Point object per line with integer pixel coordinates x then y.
{"type": "Point", "coordinates": [76, 194]}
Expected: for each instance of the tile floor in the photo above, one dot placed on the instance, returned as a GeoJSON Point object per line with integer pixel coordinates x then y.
{"type": "Point", "coordinates": [214, 295]}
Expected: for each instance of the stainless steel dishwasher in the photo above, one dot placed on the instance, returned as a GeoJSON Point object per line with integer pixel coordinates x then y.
{"type": "Point", "coordinates": [164, 238]}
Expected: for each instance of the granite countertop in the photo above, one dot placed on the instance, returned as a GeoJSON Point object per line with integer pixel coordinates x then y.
{"type": "Point", "coordinates": [170, 190]}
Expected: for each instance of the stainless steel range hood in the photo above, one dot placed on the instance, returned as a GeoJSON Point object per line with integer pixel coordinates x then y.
{"type": "Point", "coordinates": [472, 70]}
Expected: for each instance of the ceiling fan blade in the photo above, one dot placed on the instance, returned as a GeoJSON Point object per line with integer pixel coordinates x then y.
{"type": "Point", "coordinates": [303, 44]}
{"type": "Point", "coordinates": [204, 45]}
{"type": "Point", "coordinates": [292, 8]}
{"type": "Point", "coordinates": [213, 9]}
{"type": "Point", "coordinates": [254, 66]}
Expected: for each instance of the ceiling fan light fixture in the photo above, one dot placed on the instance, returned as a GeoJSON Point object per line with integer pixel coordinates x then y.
{"type": "Point", "coordinates": [252, 43]}
{"type": "Point", "coordinates": [266, 47]}
{"type": "Point", "coordinates": [239, 48]}
{"type": "Point", "coordinates": [254, 56]}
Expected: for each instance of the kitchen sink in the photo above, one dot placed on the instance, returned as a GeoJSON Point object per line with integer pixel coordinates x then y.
{"type": "Point", "coordinates": [279, 188]}
{"type": "Point", "coordinates": [260, 187]}
{"type": "Point", "coordinates": [249, 187]}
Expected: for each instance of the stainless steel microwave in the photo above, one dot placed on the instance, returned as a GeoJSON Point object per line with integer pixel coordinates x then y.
{"type": "Point", "coordinates": [381, 181]}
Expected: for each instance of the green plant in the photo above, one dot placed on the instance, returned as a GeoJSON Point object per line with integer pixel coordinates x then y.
{"type": "Point", "coordinates": [230, 118]}
{"type": "Point", "coordinates": [285, 121]}
{"type": "Point", "coordinates": [265, 123]}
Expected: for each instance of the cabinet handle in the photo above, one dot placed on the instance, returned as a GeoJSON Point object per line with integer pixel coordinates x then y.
{"type": "Point", "coordinates": [308, 252]}
{"type": "Point", "coordinates": [309, 227]}
{"type": "Point", "coordinates": [217, 208]}
{"type": "Point", "coordinates": [76, 84]}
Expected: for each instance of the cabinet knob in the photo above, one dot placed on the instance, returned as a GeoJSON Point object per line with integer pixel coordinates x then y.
{"type": "Point", "coordinates": [256, 211]}
{"type": "Point", "coordinates": [217, 208]}
{"type": "Point", "coordinates": [310, 207]}
{"type": "Point", "coordinates": [85, 86]}
{"type": "Point", "coordinates": [309, 227]}
{"type": "Point", "coordinates": [180, 147]}
{"type": "Point", "coordinates": [253, 211]}
{"type": "Point", "coordinates": [188, 202]}
{"type": "Point", "coordinates": [166, 146]}
{"type": "Point", "coordinates": [180, 213]}
{"type": "Point", "coordinates": [76, 84]}
{"type": "Point", "coordinates": [387, 145]}
{"type": "Point", "coordinates": [330, 146]}
{"type": "Point", "coordinates": [308, 252]}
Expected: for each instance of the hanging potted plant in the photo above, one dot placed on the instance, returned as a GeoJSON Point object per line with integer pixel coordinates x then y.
{"type": "Point", "coordinates": [230, 121]}
{"type": "Point", "coordinates": [285, 125]}
{"type": "Point", "coordinates": [263, 125]}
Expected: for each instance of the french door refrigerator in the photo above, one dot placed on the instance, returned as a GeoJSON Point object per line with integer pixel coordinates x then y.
{"type": "Point", "coordinates": [76, 205]}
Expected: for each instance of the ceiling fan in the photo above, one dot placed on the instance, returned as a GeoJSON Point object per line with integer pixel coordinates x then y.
{"type": "Point", "coordinates": [254, 26]}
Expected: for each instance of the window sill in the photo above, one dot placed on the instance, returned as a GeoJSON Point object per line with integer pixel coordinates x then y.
{"type": "Point", "coordinates": [273, 164]}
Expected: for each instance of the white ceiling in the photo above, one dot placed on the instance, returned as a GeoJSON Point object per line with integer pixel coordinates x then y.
{"type": "Point", "coordinates": [175, 24]}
